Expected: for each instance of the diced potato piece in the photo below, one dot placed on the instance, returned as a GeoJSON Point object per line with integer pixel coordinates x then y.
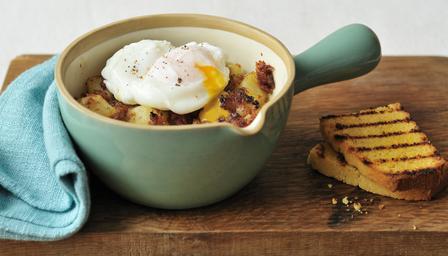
{"type": "Point", "coordinates": [98, 104]}
{"type": "Point", "coordinates": [250, 83]}
{"type": "Point", "coordinates": [142, 115]}
{"type": "Point", "coordinates": [235, 69]}
{"type": "Point", "coordinates": [94, 86]}
{"type": "Point", "coordinates": [213, 111]}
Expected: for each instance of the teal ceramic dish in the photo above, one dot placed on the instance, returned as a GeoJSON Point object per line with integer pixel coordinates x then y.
{"type": "Point", "coordinates": [178, 167]}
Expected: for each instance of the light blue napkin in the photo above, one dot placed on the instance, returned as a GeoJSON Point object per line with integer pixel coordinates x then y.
{"type": "Point", "coordinates": [44, 192]}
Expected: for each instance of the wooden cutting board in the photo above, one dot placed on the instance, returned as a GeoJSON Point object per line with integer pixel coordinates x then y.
{"type": "Point", "coordinates": [287, 209]}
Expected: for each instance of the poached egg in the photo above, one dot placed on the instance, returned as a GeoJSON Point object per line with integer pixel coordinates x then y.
{"type": "Point", "coordinates": [156, 74]}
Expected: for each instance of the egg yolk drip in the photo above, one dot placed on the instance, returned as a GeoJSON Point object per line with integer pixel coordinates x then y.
{"type": "Point", "coordinates": [214, 83]}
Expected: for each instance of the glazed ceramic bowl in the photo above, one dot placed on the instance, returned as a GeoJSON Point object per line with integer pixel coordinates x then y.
{"type": "Point", "coordinates": [187, 166]}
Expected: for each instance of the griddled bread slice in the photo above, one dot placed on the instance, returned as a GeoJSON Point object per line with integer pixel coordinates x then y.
{"type": "Point", "coordinates": [386, 146]}
{"type": "Point", "coordinates": [325, 160]}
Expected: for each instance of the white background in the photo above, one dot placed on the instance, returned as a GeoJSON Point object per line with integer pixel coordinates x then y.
{"type": "Point", "coordinates": [405, 27]}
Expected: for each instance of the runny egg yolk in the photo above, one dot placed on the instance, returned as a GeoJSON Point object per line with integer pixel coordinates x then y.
{"type": "Point", "coordinates": [214, 83]}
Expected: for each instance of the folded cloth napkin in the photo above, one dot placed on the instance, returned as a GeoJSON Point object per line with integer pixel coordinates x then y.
{"type": "Point", "coordinates": [44, 192]}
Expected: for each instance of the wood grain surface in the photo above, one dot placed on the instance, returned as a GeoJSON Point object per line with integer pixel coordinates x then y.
{"type": "Point", "coordinates": [286, 209]}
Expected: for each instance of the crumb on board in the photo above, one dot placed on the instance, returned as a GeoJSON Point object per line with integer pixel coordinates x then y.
{"type": "Point", "coordinates": [414, 227]}
{"type": "Point", "coordinates": [357, 207]}
{"type": "Point", "coordinates": [329, 185]}
{"type": "Point", "coordinates": [345, 200]}
{"type": "Point", "coordinates": [399, 215]}
{"type": "Point", "coordinates": [334, 200]}
{"type": "Point", "coordinates": [381, 206]}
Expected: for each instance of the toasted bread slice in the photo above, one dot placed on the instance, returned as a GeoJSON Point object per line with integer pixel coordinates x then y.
{"type": "Point", "coordinates": [386, 146]}
{"type": "Point", "coordinates": [326, 161]}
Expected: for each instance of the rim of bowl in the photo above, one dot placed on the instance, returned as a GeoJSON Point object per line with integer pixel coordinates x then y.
{"type": "Point", "coordinates": [185, 20]}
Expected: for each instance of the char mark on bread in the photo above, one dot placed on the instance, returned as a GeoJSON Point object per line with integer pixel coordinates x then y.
{"type": "Point", "coordinates": [340, 126]}
{"type": "Point", "coordinates": [393, 146]}
{"type": "Point", "coordinates": [389, 134]}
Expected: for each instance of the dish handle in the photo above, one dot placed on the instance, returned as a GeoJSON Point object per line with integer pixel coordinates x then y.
{"type": "Point", "coordinates": [349, 52]}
